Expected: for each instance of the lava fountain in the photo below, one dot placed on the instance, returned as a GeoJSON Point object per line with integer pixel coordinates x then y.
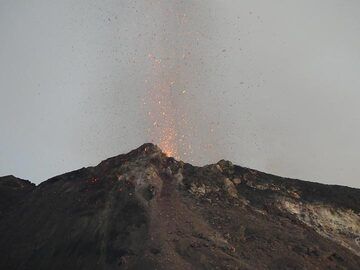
{"type": "Point", "coordinates": [162, 111]}
{"type": "Point", "coordinates": [169, 126]}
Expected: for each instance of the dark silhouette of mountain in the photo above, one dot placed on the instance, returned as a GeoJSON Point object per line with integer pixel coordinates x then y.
{"type": "Point", "coordinates": [144, 210]}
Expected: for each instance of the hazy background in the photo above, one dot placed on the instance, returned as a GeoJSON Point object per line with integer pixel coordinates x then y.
{"type": "Point", "coordinates": [272, 85]}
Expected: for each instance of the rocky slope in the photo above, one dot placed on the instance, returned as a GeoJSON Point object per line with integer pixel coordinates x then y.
{"type": "Point", "coordinates": [144, 210]}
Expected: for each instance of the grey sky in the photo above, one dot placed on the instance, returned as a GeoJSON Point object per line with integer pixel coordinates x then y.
{"type": "Point", "coordinates": [272, 85]}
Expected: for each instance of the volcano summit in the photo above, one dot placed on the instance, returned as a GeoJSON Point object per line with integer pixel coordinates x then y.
{"type": "Point", "coordinates": [144, 210]}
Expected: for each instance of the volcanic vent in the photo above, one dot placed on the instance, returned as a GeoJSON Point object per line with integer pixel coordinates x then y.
{"type": "Point", "coordinates": [144, 210]}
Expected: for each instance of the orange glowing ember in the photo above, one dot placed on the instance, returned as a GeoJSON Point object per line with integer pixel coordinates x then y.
{"type": "Point", "coordinates": [162, 111]}
{"type": "Point", "coordinates": [168, 124]}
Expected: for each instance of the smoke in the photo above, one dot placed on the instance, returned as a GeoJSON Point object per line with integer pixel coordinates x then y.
{"type": "Point", "coordinates": [177, 80]}
{"type": "Point", "coordinates": [268, 85]}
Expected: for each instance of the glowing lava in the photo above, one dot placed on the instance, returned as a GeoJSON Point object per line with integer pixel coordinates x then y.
{"type": "Point", "coordinates": [169, 126]}
{"type": "Point", "coordinates": [162, 111]}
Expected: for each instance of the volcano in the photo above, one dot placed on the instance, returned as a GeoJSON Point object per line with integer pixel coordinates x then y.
{"type": "Point", "coordinates": [144, 210]}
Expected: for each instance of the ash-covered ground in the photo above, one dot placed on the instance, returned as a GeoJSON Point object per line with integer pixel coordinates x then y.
{"type": "Point", "coordinates": [144, 210]}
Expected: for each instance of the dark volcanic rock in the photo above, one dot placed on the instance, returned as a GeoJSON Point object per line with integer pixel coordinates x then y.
{"type": "Point", "coordinates": [144, 210]}
{"type": "Point", "coordinates": [12, 192]}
